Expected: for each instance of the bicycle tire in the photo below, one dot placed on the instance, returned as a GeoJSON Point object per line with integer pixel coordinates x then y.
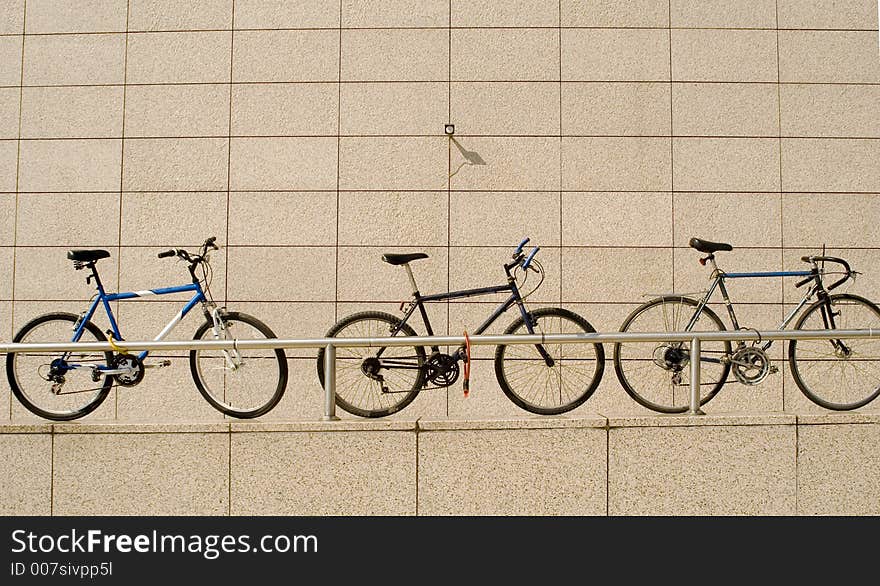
{"type": "Point", "coordinates": [863, 367]}
{"type": "Point", "coordinates": [356, 391]}
{"type": "Point", "coordinates": [229, 391]}
{"type": "Point", "coordinates": [514, 361]}
{"type": "Point", "coordinates": [23, 372]}
{"type": "Point", "coordinates": [674, 356]}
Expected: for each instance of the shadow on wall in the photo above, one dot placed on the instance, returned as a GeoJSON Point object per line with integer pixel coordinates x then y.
{"type": "Point", "coordinates": [470, 157]}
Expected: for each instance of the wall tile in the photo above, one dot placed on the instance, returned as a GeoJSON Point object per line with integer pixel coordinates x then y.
{"type": "Point", "coordinates": [80, 220]}
{"type": "Point", "coordinates": [708, 14]}
{"type": "Point", "coordinates": [164, 164]}
{"type": "Point", "coordinates": [506, 108]}
{"type": "Point", "coordinates": [393, 218]}
{"type": "Point", "coordinates": [389, 163]}
{"type": "Point", "coordinates": [828, 56]}
{"type": "Point", "coordinates": [505, 163]}
{"type": "Point", "coordinates": [285, 14]}
{"type": "Point", "coordinates": [395, 13]}
{"type": "Point", "coordinates": [830, 110]}
{"type": "Point", "coordinates": [505, 54]}
{"type": "Point", "coordinates": [612, 13]}
{"type": "Point", "coordinates": [76, 59]}
{"type": "Point", "coordinates": [11, 17]}
{"type": "Point", "coordinates": [394, 55]}
{"type": "Point", "coordinates": [632, 109]}
{"type": "Point", "coordinates": [177, 110]}
{"type": "Point", "coordinates": [830, 165]}
{"type": "Point", "coordinates": [76, 16]}
{"type": "Point", "coordinates": [179, 57]}
{"type": "Point", "coordinates": [815, 219]}
{"type": "Point", "coordinates": [726, 164]}
{"type": "Point", "coordinates": [10, 60]}
{"type": "Point", "coordinates": [283, 163]}
{"type": "Point", "coordinates": [512, 217]}
{"type": "Point", "coordinates": [393, 108]}
{"type": "Point", "coordinates": [286, 55]}
{"type": "Point", "coordinates": [9, 110]}
{"type": "Point", "coordinates": [725, 109]}
{"type": "Point", "coordinates": [617, 219]}
{"type": "Point", "coordinates": [70, 165]}
{"type": "Point", "coordinates": [832, 14]}
{"type": "Point", "coordinates": [605, 164]}
{"type": "Point", "coordinates": [294, 109]}
{"type": "Point", "coordinates": [520, 13]}
{"type": "Point", "coordinates": [718, 55]}
{"type": "Point", "coordinates": [170, 15]}
{"type": "Point", "coordinates": [615, 55]}
{"type": "Point", "coordinates": [163, 219]}
{"type": "Point", "coordinates": [740, 219]}
{"type": "Point", "coordinates": [71, 112]}
{"type": "Point", "coordinates": [282, 218]}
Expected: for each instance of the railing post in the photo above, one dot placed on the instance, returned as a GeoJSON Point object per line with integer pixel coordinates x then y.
{"type": "Point", "coordinates": [330, 383]}
{"type": "Point", "coordinates": [695, 377]}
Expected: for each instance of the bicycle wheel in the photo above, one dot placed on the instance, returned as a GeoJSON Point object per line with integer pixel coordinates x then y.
{"type": "Point", "coordinates": [840, 374]}
{"type": "Point", "coordinates": [552, 388]}
{"type": "Point", "coordinates": [374, 382]}
{"type": "Point", "coordinates": [64, 385]}
{"type": "Point", "coordinates": [242, 383]}
{"type": "Point", "coordinates": [657, 374]}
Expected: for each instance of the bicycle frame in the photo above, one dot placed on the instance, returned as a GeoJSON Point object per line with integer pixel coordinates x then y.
{"type": "Point", "coordinates": [718, 283]}
{"type": "Point", "coordinates": [103, 298]}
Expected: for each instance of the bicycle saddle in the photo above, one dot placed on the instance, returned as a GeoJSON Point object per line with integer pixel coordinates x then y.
{"type": "Point", "coordinates": [709, 247]}
{"type": "Point", "coordinates": [402, 259]}
{"type": "Point", "coordinates": [87, 255]}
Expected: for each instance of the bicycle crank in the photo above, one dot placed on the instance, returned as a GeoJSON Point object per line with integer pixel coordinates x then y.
{"type": "Point", "coordinates": [751, 365]}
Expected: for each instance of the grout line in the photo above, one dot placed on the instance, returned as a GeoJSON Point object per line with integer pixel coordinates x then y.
{"type": "Point", "coordinates": [432, 136]}
{"type": "Point", "coordinates": [671, 142]}
{"type": "Point", "coordinates": [448, 194]}
{"type": "Point", "coordinates": [229, 156]}
{"type": "Point", "coordinates": [436, 28]}
{"type": "Point", "coordinates": [338, 166]}
{"type": "Point", "coordinates": [656, 81]}
{"type": "Point", "coordinates": [17, 188]}
{"type": "Point", "coordinates": [781, 199]}
{"type": "Point", "coordinates": [121, 182]}
{"type": "Point", "coordinates": [561, 157]}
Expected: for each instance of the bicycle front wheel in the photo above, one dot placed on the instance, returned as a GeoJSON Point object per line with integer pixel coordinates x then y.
{"type": "Point", "coordinates": [657, 374]}
{"type": "Point", "coordinates": [64, 385]}
{"type": "Point", "coordinates": [838, 374]}
{"type": "Point", "coordinates": [242, 383]}
{"type": "Point", "coordinates": [549, 379]}
{"type": "Point", "coordinates": [375, 382]}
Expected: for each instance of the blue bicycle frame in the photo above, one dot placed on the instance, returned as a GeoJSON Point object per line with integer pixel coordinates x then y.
{"type": "Point", "coordinates": [104, 298]}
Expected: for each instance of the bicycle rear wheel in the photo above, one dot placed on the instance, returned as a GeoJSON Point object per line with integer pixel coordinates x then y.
{"type": "Point", "coordinates": [840, 374]}
{"type": "Point", "coordinates": [561, 378]}
{"type": "Point", "coordinates": [374, 382]}
{"type": "Point", "coordinates": [64, 385]}
{"type": "Point", "coordinates": [242, 383]}
{"type": "Point", "coordinates": [657, 374]}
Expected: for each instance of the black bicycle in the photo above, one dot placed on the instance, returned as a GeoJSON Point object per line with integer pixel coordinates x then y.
{"type": "Point", "coordinates": [547, 379]}
{"type": "Point", "coordinates": [838, 374]}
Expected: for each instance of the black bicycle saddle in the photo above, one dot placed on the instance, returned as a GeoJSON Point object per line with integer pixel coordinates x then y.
{"type": "Point", "coordinates": [402, 259]}
{"type": "Point", "coordinates": [87, 255]}
{"type": "Point", "coordinates": [709, 247]}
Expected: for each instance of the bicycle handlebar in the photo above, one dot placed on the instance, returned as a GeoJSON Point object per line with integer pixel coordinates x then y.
{"type": "Point", "coordinates": [519, 248]}
{"type": "Point", "coordinates": [832, 259]}
{"type": "Point", "coordinates": [192, 258]}
{"type": "Point", "coordinates": [530, 257]}
{"type": "Point", "coordinates": [167, 253]}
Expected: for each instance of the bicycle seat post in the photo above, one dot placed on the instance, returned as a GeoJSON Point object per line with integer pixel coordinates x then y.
{"type": "Point", "coordinates": [412, 279]}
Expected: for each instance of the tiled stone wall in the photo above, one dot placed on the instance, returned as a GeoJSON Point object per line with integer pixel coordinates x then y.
{"type": "Point", "coordinates": [308, 137]}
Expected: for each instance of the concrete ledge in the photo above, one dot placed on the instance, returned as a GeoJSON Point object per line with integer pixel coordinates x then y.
{"type": "Point", "coordinates": [724, 464]}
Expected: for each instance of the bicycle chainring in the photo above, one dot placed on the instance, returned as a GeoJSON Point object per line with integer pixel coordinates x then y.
{"type": "Point", "coordinates": [442, 369]}
{"type": "Point", "coordinates": [135, 368]}
{"type": "Point", "coordinates": [750, 365]}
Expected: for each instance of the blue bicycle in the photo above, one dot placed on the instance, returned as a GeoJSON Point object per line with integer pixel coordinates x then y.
{"type": "Point", "coordinates": [69, 385]}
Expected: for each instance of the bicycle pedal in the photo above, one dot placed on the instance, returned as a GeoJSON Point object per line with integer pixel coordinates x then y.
{"type": "Point", "coordinates": [160, 364]}
{"type": "Point", "coordinates": [773, 370]}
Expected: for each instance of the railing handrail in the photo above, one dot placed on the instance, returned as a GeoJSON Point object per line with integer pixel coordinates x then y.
{"type": "Point", "coordinates": [483, 339]}
{"type": "Point", "coordinates": [330, 344]}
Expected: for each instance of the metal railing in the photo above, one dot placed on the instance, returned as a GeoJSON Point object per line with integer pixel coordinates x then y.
{"type": "Point", "coordinates": [694, 339]}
